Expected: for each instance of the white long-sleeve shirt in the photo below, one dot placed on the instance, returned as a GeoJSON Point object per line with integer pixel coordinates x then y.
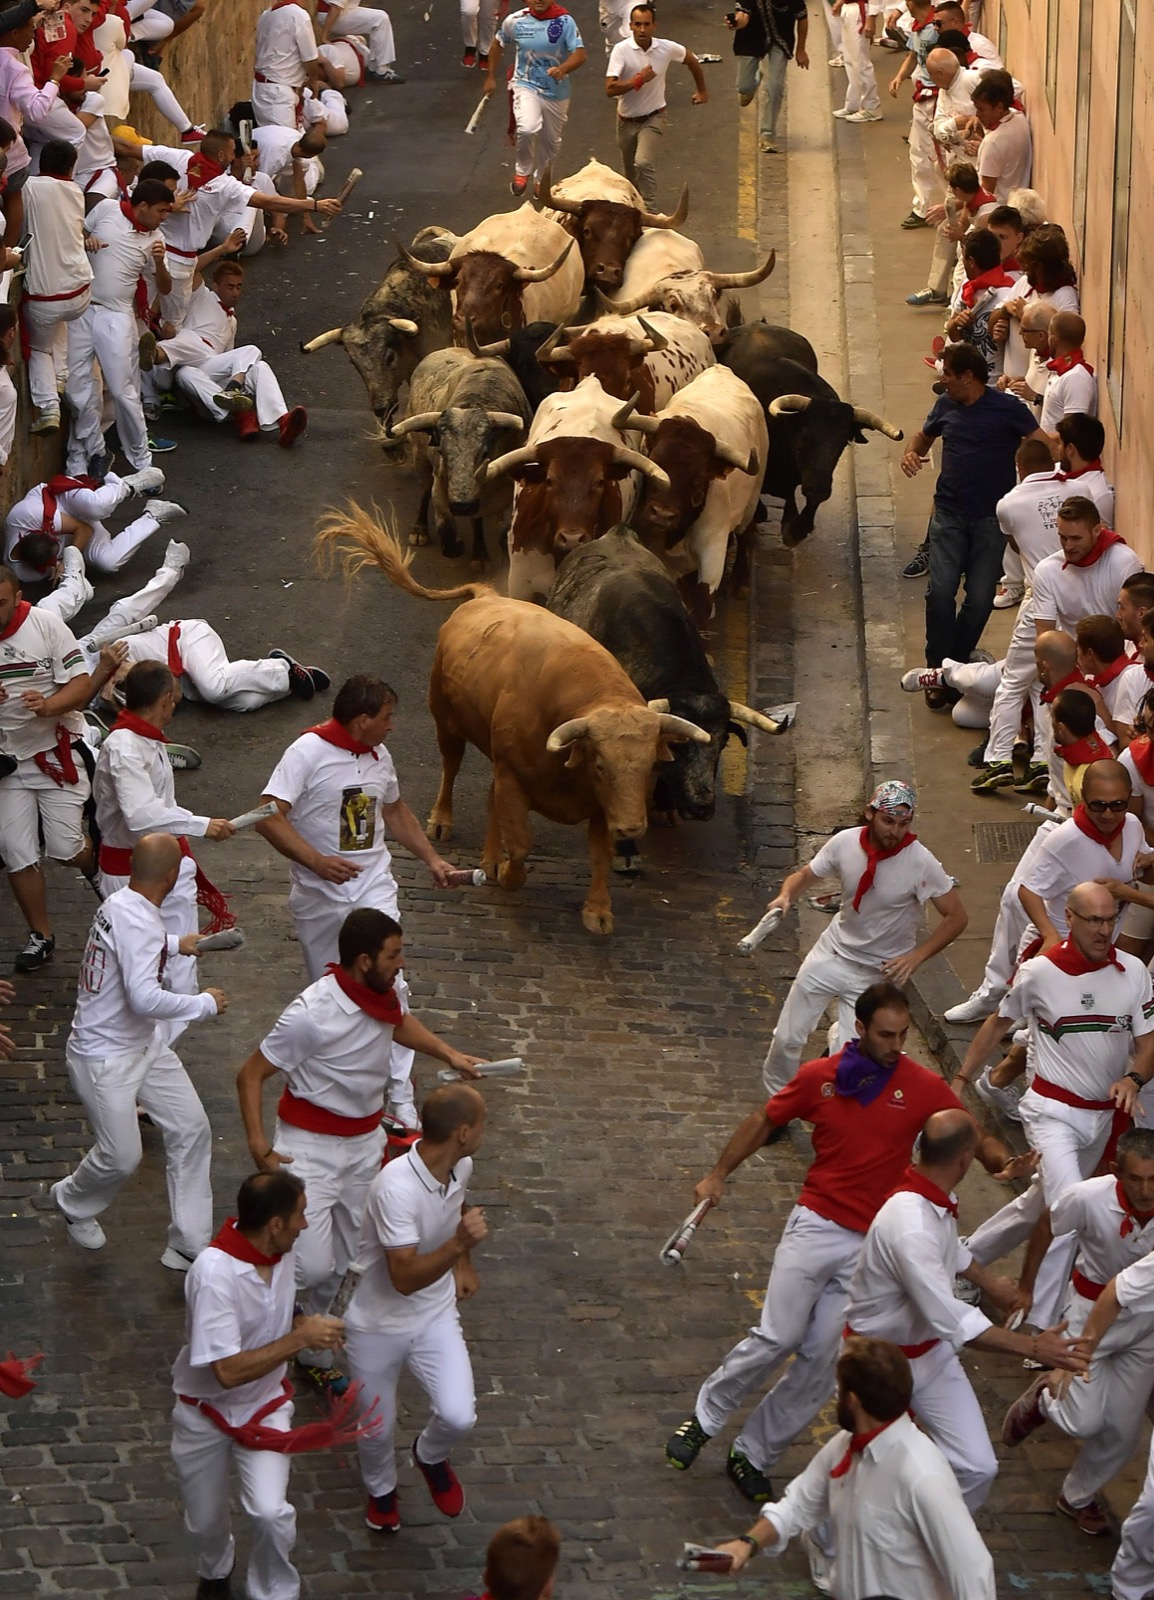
{"type": "Point", "coordinates": [135, 794]}
{"type": "Point", "coordinates": [900, 1524]}
{"type": "Point", "coordinates": [903, 1285]}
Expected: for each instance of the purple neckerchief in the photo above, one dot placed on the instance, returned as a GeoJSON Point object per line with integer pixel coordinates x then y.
{"type": "Point", "coordinates": [859, 1076]}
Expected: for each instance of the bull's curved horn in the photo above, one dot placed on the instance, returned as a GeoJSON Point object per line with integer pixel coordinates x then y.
{"type": "Point", "coordinates": [499, 347]}
{"type": "Point", "coordinates": [419, 422]}
{"type": "Point", "coordinates": [679, 728]}
{"type": "Point", "coordinates": [658, 705]}
{"type": "Point", "coordinates": [539, 274]}
{"type": "Point", "coordinates": [624, 308]}
{"type": "Point", "coordinates": [520, 457]}
{"type": "Point", "coordinates": [644, 424]}
{"type": "Point", "coordinates": [654, 219]}
{"type": "Point", "coordinates": [620, 418]}
{"type": "Point", "coordinates": [785, 404]}
{"type": "Point", "coordinates": [754, 719]}
{"type": "Point", "coordinates": [333, 336]}
{"type": "Point", "coordinates": [506, 419]}
{"type": "Point", "coordinates": [734, 458]}
{"type": "Point", "coordinates": [870, 419]}
{"type": "Point", "coordinates": [431, 269]}
{"type": "Point", "coordinates": [405, 325]}
{"type": "Point", "coordinates": [744, 280]}
{"type": "Point", "coordinates": [657, 341]}
{"type": "Point", "coordinates": [568, 733]}
{"type": "Point", "coordinates": [634, 458]}
{"type": "Point", "coordinates": [547, 351]}
{"type": "Point", "coordinates": [548, 198]}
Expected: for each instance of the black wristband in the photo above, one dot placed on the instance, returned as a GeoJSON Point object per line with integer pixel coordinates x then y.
{"type": "Point", "coordinates": [1133, 1076]}
{"type": "Point", "coordinates": [747, 1538]}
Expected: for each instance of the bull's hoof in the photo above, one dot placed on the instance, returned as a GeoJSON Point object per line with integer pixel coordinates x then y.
{"type": "Point", "coordinates": [597, 921]}
{"type": "Point", "coordinates": [511, 874]}
{"type": "Point", "coordinates": [439, 829]}
{"type": "Point", "coordinates": [418, 537]}
{"type": "Point", "coordinates": [790, 539]}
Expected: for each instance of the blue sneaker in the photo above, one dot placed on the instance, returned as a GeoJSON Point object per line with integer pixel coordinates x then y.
{"type": "Point", "coordinates": [160, 447]}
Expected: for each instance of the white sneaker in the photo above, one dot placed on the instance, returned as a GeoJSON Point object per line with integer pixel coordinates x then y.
{"type": "Point", "coordinates": [1007, 595]}
{"type": "Point", "coordinates": [73, 563]}
{"type": "Point", "coordinates": [864, 116]}
{"type": "Point", "coordinates": [976, 1009]}
{"type": "Point", "coordinates": [842, 112]}
{"type": "Point", "coordinates": [165, 510]}
{"type": "Point", "coordinates": [404, 1112]}
{"type": "Point", "coordinates": [820, 1565]}
{"type": "Point", "coordinates": [176, 1260]}
{"type": "Point", "coordinates": [149, 480]}
{"type": "Point", "coordinates": [919, 678]}
{"type": "Point", "coordinates": [108, 631]}
{"type": "Point", "coordinates": [837, 61]}
{"type": "Point", "coordinates": [87, 1233]}
{"type": "Point", "coordinates": [177, 556]}
{"type": "Point", "coordinates": [1003, 1100]}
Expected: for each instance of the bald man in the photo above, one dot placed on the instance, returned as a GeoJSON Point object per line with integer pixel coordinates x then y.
{"type": "Point", "coordinates": [1072, 385]}
{"type": "Point", "coordinates": [118, 1059]}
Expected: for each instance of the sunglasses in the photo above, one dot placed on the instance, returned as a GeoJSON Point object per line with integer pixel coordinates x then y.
{"type": "Point", "coordinates": [1098, 807]}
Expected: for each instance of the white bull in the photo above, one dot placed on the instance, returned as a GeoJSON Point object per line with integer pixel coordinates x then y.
{"type": "Point", "coordinates": [669, 274]}
{"type": "Point", "coordinates": [652, 357]}
{"type": "Point", "coordinates": [606, 215]}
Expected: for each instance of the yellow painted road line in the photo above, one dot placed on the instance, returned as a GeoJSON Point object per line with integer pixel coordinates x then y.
{"type": "Point", "coordinates": [747, 124]}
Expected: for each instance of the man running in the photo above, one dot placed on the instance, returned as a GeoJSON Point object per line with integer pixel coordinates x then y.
{"type": "Point", "coordinates": [548, 48]}
{"type": "Point", "coordinates": [635, 78]}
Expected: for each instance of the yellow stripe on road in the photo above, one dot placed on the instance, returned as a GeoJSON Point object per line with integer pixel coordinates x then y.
{"type": "Point", "coordinates": [730, 647]}
{"type": "Point", "coordinates": [747, 125]}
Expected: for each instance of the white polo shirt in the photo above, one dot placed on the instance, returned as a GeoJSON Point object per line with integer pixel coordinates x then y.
{"type": "Point", "coordinates": [336, 799]}
{"type": "Point", "coordinates": [406, 1206]}
{"type": "Point", "coordinates": [1068, 857]}
{"type": "Point", "coordinates": [1066, 594]}
{"type": "Point", "coordinates": [284, 42]}
{"type": "Point", "coordinates": [903, 1284]}
{"type": "Point", "coordinates": [229, 1308]}
{"type": "Point", "coordinates": [1005, 156]}
{"type": "Point", "coordinates": [135, 794]}
{"type": "Point", "coordinates": [1091, 1210]}
{"type": "Point", "coordinates": [41, 654]}
{"type": "Point", "coordinates": [887, 923]}
{"type": "Point", "coordinates": [1029, 516]}
{"type": "Point", "coordinates": [1076, 390]}
{"type": "Point", "coordinates": [1135, 1287]}
{"type": "Point", "coordinates": [1142, 790]}
{"type": "Point", "coordinates": [627, 59]}
{"type": "Point", "coordinates": [1095, 485]}
{"type": "Point", "coordinates": [120, 997]}
{"type": "Point", "coordinates": [126, 258]}
{"type": "Point", "coordinates": [1082, 1029]}
{"type": "Point", "coordinates": [333, 1054]}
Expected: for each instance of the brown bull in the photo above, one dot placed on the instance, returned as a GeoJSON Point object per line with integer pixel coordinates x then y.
{"type": "Point", "coordinates": [567, 733]}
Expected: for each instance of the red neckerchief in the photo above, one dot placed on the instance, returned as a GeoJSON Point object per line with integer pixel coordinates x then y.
{"type": "Point", "coordinates": [1050, 695]}
{"type": "Point", "coordinates": [1070, 960]}
{"type": "Point", "coordinates": [224, 308]}
{"type": "Point", "coordinates": [202, 169]}
{"type": "Point", "coordinates": [1080, 752]}
{"type": "Point", "coordinates": [14, 1379]}
{"type": "Point", "coordinates": [1086, 824]}
{"type": "Point", "coordinates": [865, 882]}
{"type": "Point", "coordinates": [996, 278]}
{"type": "Point", "coordinates": [1098, 549]}
{"type": "Point", "coordinates": [381, 1007]}
{"type": "Point", "coordinates": [332, 732]}
{"type": "Point", "coordinates": [1011, 263]}
{"type": "Point", "coordinates": [1099, 680]}
{"type": "Point", "coordinates": [131, 723]}
{"type": "Point", "coordinates": [857, 1444]}
{"type": "Point", "coordinates": [913, 1183]}
{"type": "Point", "coordinates": [1131, 1217]}
{"type": "Point", "coordinates": [1064, 364]}
{"type": "Point", "coordinates": [1091, 466]}
{"type": "Point", "coordinates": [547, 16]}
{"type": "Point", "coordinates": [1142, 755]}
{"type": "Point", "coordinates": [916, 27]}
{"type": "Point", "coordinates": [126, 210]}
{"type": "Point", "coordinates": [982, 198]}
{"type": "Point", "coordinates": [19, 618]}
{"type": "Point", "coordinates": [234, 1244]}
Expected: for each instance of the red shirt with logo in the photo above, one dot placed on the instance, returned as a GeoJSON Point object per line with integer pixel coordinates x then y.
{"type": "Point", "coordinates": [860, 1152]}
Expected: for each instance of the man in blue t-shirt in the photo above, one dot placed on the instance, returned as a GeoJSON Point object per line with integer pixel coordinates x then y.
{"type": "Point", "coordinates": [980, 429]}
{"type": "Point", "coordinates": [548, 48]}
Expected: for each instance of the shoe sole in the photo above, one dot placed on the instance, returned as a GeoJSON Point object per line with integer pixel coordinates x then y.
{"type": "Point", "coordinates": [378, 1527]}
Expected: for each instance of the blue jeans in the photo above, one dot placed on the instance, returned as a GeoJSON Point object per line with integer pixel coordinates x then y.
{"type": "Point", "coordinates": [969, 548]}
{"type": "Point", "coordinates": [772, 67]}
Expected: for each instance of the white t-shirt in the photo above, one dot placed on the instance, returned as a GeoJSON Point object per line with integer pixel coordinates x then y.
{"type": "Point", "coordinates": [903, 1284]}
{"type": "Point", "coordinates": [284, 42]}
{"type": "Point", "coordinates": [1018, 358]}
{"type": "Point", "coordinates": [336, 799]}
{"type": "Point", "coordinates": [1082, 1029]}
{"type": "Point", "coordinates": [7, 415]}
{"type": "Point", "coordinates": [887, 924]}
{"type": "Point", "coordinates": [333, 1054]}
{"type": "Point", "coordinates": [186, 233]}
{"type": "Point", "coordinates": [119, 998]}
{"type": "Point", "coordinates": [1133, 686]}
{"type": "Point", "coordinates": [627, 59]}
{"type": "Point", "coordinates": [406, 1206]}
{"type": "Point", "coordinates": [274, 146]}
{"type": "Point", "coordinates": [1065, 594]}
{"type": "Point", "coordinates": [1005, 156]}
{"type": "Point", "coordinates": [41, 654]}
{"type": "Point", "coordinates": [56, 259]}
{"type": "Point", "coordinates": [206, 322]}
{"type": "Point", "coordinates": [1095, 485]}
{"type": "Point", "coordinates": [1069, 857]}
{"type": "Point", "coordinates": [127, 258]}
{"type": "Point", "coordinates": [1066, 392]}
{"type": "Point", "coordinates": [229, 1308]}
{"type": "Point", "coordinates": [135, 793]}
{"type": "Point", "coordinates": [1091, 1210]}
{"type": "Point", "coordinates": [1029, 516]}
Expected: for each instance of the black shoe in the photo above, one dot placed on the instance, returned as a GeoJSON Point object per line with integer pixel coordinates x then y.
{"type": "Point", "coordinates": [36, 953]}
{"type": "Point", "coordinates": [301, 683]}
{"type": "Point", "coordinates": [750, 1480]}
{"type": "Point", "coordinates": [913, 221]}
{"type": "Point", "coordinates": [918, 565]}
{"type": "Point", "coordinates": [8, 764]}
{"type": "Point", "coordinates": [100, 465]}
{"type": "Point", "coordinates": [977, 757]}
{"type": "Point", "coordinates": [214, 1588]}
{"type": "Point", "coordinates": [683, 1446]}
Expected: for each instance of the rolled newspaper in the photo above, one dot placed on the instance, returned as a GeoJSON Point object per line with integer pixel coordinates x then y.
{"type": "Point", "coordinates": [471, 125]}
{"type": "Point", "coordinates": [466, 878]}
{"type": "Point", "coordinates": [702, 1558]}
{"type": "Point", "coordinates": [350, 184]}
{"type": "Point", "coordinates": [257, 814]}
{"type": "Point", "coordinates": [678, 1241]}
{"type": "Point", "coordinates": [487, 1069]}
{"type": "Point", "coordinates": [762, 931]}
{"type": "Point", "coordinates": [226, 939]}
{"type": "Point", "coordinates": [345, 1291]}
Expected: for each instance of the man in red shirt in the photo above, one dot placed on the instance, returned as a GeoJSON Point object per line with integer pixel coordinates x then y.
{"type": "Point", "coordinates": [867, 1105]}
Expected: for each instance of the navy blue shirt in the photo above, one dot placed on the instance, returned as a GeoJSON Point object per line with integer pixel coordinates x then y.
{"type": "Point", "coordinates": [979, 443]}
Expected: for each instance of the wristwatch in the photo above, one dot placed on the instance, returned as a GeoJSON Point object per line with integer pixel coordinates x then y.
{"type": "Point", "coordinates": [1133, 1076]}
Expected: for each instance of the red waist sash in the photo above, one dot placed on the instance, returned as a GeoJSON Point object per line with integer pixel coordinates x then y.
{"type": "Point", "coordinates": [1054, 1091]}
{"type": "Point", "coordinates": [315, 1119]}
{"type": "Point", "coordinates": [910, 1351]}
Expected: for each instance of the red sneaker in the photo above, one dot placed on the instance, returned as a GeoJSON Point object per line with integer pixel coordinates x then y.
{"type": "Point", "coordinates": [292, 425]}
{"type": "Point", "coordinates": [444, 1485]}
{"type": "Point", "coordinates": [469, 59]}
{"type": "Point", "coordinates": [382, 1513]}
{"type": "Point", "coordinates": [1025, 1416]}
{"type": "Point", "coordinates": [193, 135]}
{"type": "Point", "coordinates": [246, 424]}
{"type": "Point", "coordinates": [518, 186]}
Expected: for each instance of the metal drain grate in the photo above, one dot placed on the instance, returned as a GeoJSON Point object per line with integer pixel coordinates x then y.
{"type": "Point", "coordinates": [1002, 841]}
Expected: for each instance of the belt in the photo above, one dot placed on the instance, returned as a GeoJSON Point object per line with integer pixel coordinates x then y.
{"type": "Point", "coordinates": [1054, 1091]}
{"type": "Point", "coordinates": [1086, 1287]}
{"type": "Point", "coordinates": [315, 1119]}
{"type": "Point", "coordinates": [645, 115]}
{"type": "Point", "coordinates": [69, 294]}
{"type": "Point", "coordinates": [259, 77]}
{"type": "Point", "coordinates": [910, 1351]}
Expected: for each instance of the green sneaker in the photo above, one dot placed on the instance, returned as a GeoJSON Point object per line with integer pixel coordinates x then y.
{"type": "Point", "coordinates": [750, 1480]}
{"type": "Point", "coordinates": [685, 1444]}
{"type": "Point", "coordinates": [997, 775]}
{"type": "Point", "coordinates": [1036, 779]}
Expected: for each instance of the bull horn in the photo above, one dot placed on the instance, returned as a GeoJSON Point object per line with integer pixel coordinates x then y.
{"type": "Point", "coordinates": [786, 404]}
{"type": "Point", "coordinates": [499, 347]}
{"type": "Point", "coordinates": [754, 719]}
{"type": "Point", "coordinates": [568, 733]}
{"type": "Point", "coordinates": [404, 325]}
{"type": "Point", "coordinates": [539, 274]}
{"type": "Point", "coordinates": [548, 198]}
{"type": "Point", "coordinates": [419, 422]}
{"type": "Point", "coordinates": [657, 341]}
{"type": "Point", "coordinates": [744, 280]}
{"type": "Point", "coordinates": [512, 458]}
{"type": "Point", "coordinates": [634, 458]}
{"type": "Point", "coordinates": [333, 336]}
{"type": "Point", "coordinates": [658, 705]}
{"type": "Point", "coordinates": [679, 728]}
{"type": "Point", "coordinates": [431, 269]}
{"type": "Point", "coordinates": [620, 418]}
{"type": "Point", "coordinates": [623, 308]}
{"type": "Point", "coordinates": [734, 458]}
{"type": "Point", "coordinates": [644, 424]}
{"type": "Point", "coordinates": [506, 419]}
{"type": "Point", "coordinates": [870, 419]}
{"type": "Point", "coordinates": [548, 352]}
{"type": "Point", "coordinates": [654, 219]}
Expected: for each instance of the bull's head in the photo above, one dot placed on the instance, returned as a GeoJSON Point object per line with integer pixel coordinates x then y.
{"type": "Point", "coordinates": [617, 748]}
{"type": "Point", "coordinates": [613, 354]}
{"type": "Point", "coordinates": [607, 230]}
{"type": "Point", "coordinates": [465, 438]}
{"type": "Point", "coordinates": [819, 431]}
{"type": "Point", "coordinates": [384, 351]}
{"type": "Point", "coordinates": [694, 296]}
{"type": "Point", "coordinates": [489, 289]}
{"type": "Point", "coordinates": [692, 458]}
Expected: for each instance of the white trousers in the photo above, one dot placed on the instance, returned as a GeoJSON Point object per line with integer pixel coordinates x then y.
{"type": "Point", "coordinates": [947, 1408]}
{"type": "Point", "coordinates": [336, 1174]}
{"type": "Point", "coordinates": [130, 608]}
{"type": "Point", "coordinates": [233, 685]}
{"type": "Point", "coordinates": [110, 337]}
{"type": "Point", "coordinates": [376, 30]}
{"type": "Point", "coordinates": [110, 1091]}
{"type": "Point", "coordinates": [275, 102]}
{"type": "Point", "coordinates": [202, 1455]}
{"type": "Point", "coordinates": [1012, 1226]}
{"type": "Point", "coordinates": [929, 186]}
{"type": "Point", "coordinates": [861, 88]}
{"type": "Point", "coordinates": [833, 22]}
{"type": "Point", "coordinates": [46, 329]}
{"type": "Point", "coordinates": [479, 23]}
{"type": "Point", "coordinates": [540, 124]}
{"type": "Point", "coordinates": [823, 977]}
{"type": "Point", "coordinates": [106, 551]}
{"type": "Point", "coordinates": [436, 1354]}
{"type": "Point", "coordinates": [1019, 680]}
{"type": "Point", "coordinates": [205, 381]}
{"type": "Point", "coordinates": [174, 304]}
{"type": "Point", "coordinates": [802, 1316]}
{"type": "Point", "coordinates": [1132, 1574]}
{"type": "Point", "coordinates": [146, 80]}
{"type": "Point", "coordinates": [151, 25]}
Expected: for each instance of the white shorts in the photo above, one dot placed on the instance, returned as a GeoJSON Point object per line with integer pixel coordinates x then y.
{"type": "Point", "coordinates": [31, 802]}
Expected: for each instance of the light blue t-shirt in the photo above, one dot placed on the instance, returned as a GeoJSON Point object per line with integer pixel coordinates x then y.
{"type": "Point", "coordinates": [540, 44]}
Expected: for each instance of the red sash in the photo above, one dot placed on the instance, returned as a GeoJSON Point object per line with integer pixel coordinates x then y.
{"type": "Point", "coordinates": [1054, 1091]}
{"type": "Point", "coordinates": [315, 1119]}
{"type": "Point", "coordinates": [175, 659]}
{"type": "Point", "coordinates": [911, 1353]}
{"type": "Point", "coordinates": [1086, 1287]}
{"type": "Point", "coordinates": [63, 774]}
{"type": "Point", "coordinates": [865, 882]}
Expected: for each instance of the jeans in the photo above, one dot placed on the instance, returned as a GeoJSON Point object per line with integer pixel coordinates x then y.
{"type": "Point", "coordinates": [960, 547]}
{"type": "Point", "coordinates": [750, 72]}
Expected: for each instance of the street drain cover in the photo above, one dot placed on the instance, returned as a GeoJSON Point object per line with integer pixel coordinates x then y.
{"type": "Point", "coordinates": [1002, 841]}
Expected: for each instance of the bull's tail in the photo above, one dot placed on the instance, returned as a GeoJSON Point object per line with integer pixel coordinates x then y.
{"type": "Point", "coordinates": [359, 539]}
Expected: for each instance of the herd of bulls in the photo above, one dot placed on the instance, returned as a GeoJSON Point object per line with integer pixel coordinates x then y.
{"type": "Point", "coordinates": [628, 453]}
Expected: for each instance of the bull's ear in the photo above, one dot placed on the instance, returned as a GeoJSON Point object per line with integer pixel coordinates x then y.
{"type": "Point", "coordinates": [739, 732]}
{"type": "Point", "coordinates": [858, 437]}
{"type": "Point", "coordinates": [664, 753]}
